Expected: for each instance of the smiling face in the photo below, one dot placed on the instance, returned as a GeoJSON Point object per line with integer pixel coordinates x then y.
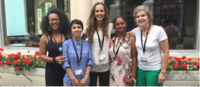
{"type": "Point", "coordinates": [54, 21]}
{"type": "Point", "coordinates": [99, 12]}
{"type": "Point", "coordinates": [120, 25]}
{"type": "Point", "coordinates": [141, 18]}
{"type": "Point", "coordinates": [76, 30]}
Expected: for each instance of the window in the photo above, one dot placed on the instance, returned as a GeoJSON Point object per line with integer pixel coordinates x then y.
{"type": "Point", "coordinates": [22, 19]}
{"type": "Point", "coordinates": [182, 14]}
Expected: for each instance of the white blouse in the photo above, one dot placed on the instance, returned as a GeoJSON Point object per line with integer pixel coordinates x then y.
{"type": "Point", "coordinates": [100, 65]}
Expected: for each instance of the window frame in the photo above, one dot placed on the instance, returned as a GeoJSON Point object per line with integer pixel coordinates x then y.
{"type": "Point", "coordinates": [194, 52]}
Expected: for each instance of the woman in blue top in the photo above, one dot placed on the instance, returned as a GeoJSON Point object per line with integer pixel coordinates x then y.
{"type": "Point", "coordinates": [78, 57]}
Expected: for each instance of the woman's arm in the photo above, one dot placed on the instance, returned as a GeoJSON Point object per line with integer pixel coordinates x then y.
{"type": "Point", "coordinates": [42, 48]}
{"type": "Point", "coordinates": [130, 82]}
{"type": "Point", "coordinates": [165, 49]}
{"type": "Point", "coordinates": [43, 44]}
{"type": "Point", "coordinates": [75, 82]}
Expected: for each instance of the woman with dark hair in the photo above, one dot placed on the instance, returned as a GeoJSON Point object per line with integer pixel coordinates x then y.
{"type": "Point", "coordinates": [78, 57]}
{"type": "Point", "coordinates": [55, 28]}
{"type": "Point", "coordinates": [98, 32]}
{"type": "Point", "coordinates": [122, 55]}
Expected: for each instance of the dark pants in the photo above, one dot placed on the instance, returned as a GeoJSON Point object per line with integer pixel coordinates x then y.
{"type": "Point", "coordinates": [103, 78]}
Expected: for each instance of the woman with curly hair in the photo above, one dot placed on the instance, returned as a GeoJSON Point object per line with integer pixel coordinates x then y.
{"type": "Point", "coordinates": [98, 32]}
{"type": "Point", "coordinates": [55, 28]}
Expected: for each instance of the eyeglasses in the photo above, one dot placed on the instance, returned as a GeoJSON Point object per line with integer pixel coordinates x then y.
{"type": "Point", "coordinates": [54, 19]}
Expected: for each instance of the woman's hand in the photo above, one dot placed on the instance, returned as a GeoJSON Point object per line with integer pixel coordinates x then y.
{"type": "Point", "coordinates": [161, 78]}
{"type": "Point", "coordinates": [60, 60]}
{"type": "Point", "coordinates": [75, 82]}
{"type": "Point", "coordinates": [129, 82]}
{"type": "Point", "coordinates": [83, 81]}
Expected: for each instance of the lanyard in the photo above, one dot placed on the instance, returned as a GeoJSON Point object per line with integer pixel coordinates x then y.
{"type": "Point", "coordinates": [77, 53]}
{"type": "Point", "coordinates": [118, 47]}
{"type": "Point", "coordinates": [145, 40]}
{"type": "Point", "coordinates": [56, 41]}
{"type": "Point", "coordinates": [100, 43]}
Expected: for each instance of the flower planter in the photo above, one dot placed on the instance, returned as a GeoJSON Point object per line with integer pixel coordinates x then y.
{"type": "Point", "coordinates": [183, 75]}
{"type": "Point", "coordinates": [33, 72]}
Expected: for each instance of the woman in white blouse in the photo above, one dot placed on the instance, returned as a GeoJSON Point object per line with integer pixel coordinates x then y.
{"type": "Point", "coordinates": [151, 42]}
{"type": "Point", "coordinates": [98, 32]}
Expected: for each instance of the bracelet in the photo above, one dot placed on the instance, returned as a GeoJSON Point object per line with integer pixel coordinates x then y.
{"type": "Point", "coordinates": [54, 61]}
{"type": "Point", "coordinates": [133, 79]}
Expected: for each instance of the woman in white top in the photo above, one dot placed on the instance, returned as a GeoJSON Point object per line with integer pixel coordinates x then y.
{"type": "Point", "coordinates": [151, 42]}
{"type": "Point", "coordinates": [98, 31]}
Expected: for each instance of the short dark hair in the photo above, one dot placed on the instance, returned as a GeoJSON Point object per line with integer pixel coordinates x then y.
{"type": "Point", "coordinates": [76, 21]}
{"type": "Point", "coordinates": [116, 19]}
{"type": "Point", "coordinates": [64, 22]}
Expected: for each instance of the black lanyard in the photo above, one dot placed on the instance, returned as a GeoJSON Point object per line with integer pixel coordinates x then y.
{"type": "Point", "coordinates": [100, 43]}
{"type": "Point", "coordinates": [77, 53]}
{"type": "Point", "coordinates": [56, 41]}
{"type": "Point", "coordinates": [145, 39]}
{"type": "Point", "coordinates": [118, 47]}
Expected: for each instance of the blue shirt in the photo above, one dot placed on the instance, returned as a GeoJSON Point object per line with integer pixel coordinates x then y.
{"type": "Point", "coordinates": [71, 59]}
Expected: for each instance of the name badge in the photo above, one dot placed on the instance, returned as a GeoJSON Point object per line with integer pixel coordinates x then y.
{"type": "Point", "coordinates": [102, 57]}
{"type": "Point", "coordinates": [78, 72]}
{"type": "Point", "coordinates": [115, 63]}
{"type": "Point", "coordinates": [143, 59]}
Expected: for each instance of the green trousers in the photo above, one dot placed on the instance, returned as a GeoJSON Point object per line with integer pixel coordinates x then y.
{"type": "Point", "coordinates": [147, 78]}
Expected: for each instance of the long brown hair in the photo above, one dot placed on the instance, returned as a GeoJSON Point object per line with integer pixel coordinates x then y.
{"type": "Point", "coordinates": [92, 23]}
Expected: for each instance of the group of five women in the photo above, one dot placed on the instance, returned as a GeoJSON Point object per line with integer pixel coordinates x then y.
{"type": "Point", "coordinates": [117, 57]}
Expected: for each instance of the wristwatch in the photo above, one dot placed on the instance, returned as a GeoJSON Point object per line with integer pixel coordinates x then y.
{"type": "Point", "coordinates": [133, 79]}
{"type": "Point", "coordinates": [163, 72]}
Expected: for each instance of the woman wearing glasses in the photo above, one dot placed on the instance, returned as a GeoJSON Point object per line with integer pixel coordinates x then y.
{"type": "Point", "coordinates": [55, 28]}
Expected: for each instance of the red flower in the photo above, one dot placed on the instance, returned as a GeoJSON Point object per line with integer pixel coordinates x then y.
{"type": "Point", "coordinates": [0, 54]}
{"type": "Point", "coordinates": [1, 63]}
{"type": "Point", "coordinates": [189, 59]}
{"type": "Point", "coordinates": [196, 64]}
{"type": "Point", "coordinates": [37, 53]}
{"type": "Point", "coordinates": [184, 65]}
{"type": "Point", "coordinates": [38, 57]}
{"type": "Point", "coordinates": [9, 55]}
{"type": "Point", "coordinates": [17, 68]}
{"type": "Point", "coordinates": [119, 61]}
{"type": "Point", "coordinates": [16, 55]}
{"type": "Point", "coordinates": [110, 59]}
{"type": "Point", "coordinates": [179, 60]}
{"type": "Point", "coordinates": [168, 64]}
{"type": "Point", "coordinates": [28, 51]}
{"type": "Point", "coordinates": [15, 62]}
{"type": "Point", "coordinates": [184, 57]}
{"type": "Point", "coordinates": [198, 59]}
{"type": "Point", "coordinates": [111, 44]}
{"type": "Point", "coordinates": [24, 60]}
{"type": "Point", "coordinates": [7, 62]}
{"type": "Point", "coordinates": [170, 57]}
{"type": "Point", "coordinates": [175, 58]}
{"type": "Point", "coordinates": [176, 65]}
{"type": "Point", "coordinates": [124, 79]}
{"type": "Point", "coordinates": [1, 49]}
{"type": "Point", "coordinates": [33, 58]}
{"type": "Point", "coordinates": [19, 53]}
{"type": "Point", "coordinates": [28, 62]}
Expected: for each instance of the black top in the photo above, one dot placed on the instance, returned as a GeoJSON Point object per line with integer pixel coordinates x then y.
{"type": "Point", "coordinates": [54, 72]}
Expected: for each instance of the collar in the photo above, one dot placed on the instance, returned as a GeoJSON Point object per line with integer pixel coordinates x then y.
{"type": "Point", "coordinates": [77, 43]}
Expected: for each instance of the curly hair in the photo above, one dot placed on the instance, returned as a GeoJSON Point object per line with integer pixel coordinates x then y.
{"type": "Point", "coordinates": [92, 23]}
{"type": "Point", "coordinates": [64, 22]}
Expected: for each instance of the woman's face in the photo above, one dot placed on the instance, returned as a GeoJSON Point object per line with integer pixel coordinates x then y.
{"type": "Point", "coordinates": [54, 21]}
{"type": "Point", "coordinates": [99, 12]}
{"type": "Point", "coordinates": [76, 30]}
{"type": "Point", "coordinates": [120, 25]}
{"type": "Point", "coordinates": [142, 18]}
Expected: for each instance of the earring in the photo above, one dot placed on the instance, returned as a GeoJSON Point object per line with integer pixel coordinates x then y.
{"type": "Point", "coordinates": [60, 28]}
{"type": "Point", "coordinates": [49, 28]}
